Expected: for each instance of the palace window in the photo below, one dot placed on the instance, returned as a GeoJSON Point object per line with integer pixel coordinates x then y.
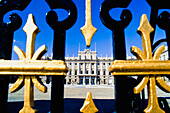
{"type": "Point", "coordinates": [86, 72]}
{"type": "Point", "coordinates": [98, 72]}
{"type": "Point", "coordinates": [75, 72]}
{"type": "Point", "coordinates": [92, 72]}
{"type": "Point", "coordinates": [104, 72]}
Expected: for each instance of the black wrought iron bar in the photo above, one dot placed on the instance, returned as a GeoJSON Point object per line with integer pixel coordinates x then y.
{"type": "Point", "coordinates": [164, 23]}
{"type": "Point", "coordinates": [153, 18]}
{"type": "Point", "coordinates": [124, 95]}
{"type": "Point", "coordinates": [59, 27]}
{"type": "Point", "coordinates": [6, 41]}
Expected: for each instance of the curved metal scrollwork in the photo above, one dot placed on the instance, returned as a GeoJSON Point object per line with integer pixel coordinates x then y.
{"type": "Point", "coordinates": [108, 21]}
{"type": "Point", "coordinates": [117, 27]}
{"type": "Point", "coordinates": [52, 18]}
{"type": "Point", "coordinates": [163, 22]}
{"type": "Point", "coordinates": [7, 29]}
{"type": "Point", "coordinates": [6, 39]}
{"type": "Point", "coordinates": [122, 97]}
{"type": "Point", "coordinates": [155, 6]}
{"type": "Point", "coordinates": [59, 27]}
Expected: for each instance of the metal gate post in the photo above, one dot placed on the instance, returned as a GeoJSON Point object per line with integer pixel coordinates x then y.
{"type": "Point", "coordinates": [6, 40]}
{"type": "Point", "coordinates": [164, 23]}
{"type": "Point", "coordinates": [123, 93]}
{"type": "Point", "coordinates": [155, 6]}
{"type": "Point", "coordinates": [59, 27]}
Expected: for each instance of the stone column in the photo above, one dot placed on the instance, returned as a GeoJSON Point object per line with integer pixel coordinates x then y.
{"type": "Point", "coordinates": [78, 78]}
{"type": "Point", "coordinates": [113, 81]}
{"type": "Point", "coordinates": [78, 68]}
{"type": "Point", "coordinates": [107, 80]}
{"type": "Point", "coordinates": [95, 68]}
{"type": "Point", "coordinates": [72, 66]}
{"type": "Point", "coordinates": [101, 68]}
{"type": "Point", "coordinates": [89, 80]}
{"type": "Point", "coordinates": [95, 80]}
{"type": "Point", "coordinates": [90, 68]}
{"type": "Point", "coordinates": [84, 68]}
{"type": "Point", "coordinates": [84, 80]}
{"type": "Point", "coordinates": [107, 69]}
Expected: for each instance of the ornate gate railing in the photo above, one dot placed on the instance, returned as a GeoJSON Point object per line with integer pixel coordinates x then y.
{"type": "Point", "coordinates": [29, 65]}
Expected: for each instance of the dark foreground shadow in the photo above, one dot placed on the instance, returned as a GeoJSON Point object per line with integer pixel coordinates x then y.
{"type": "Point", "coordinates": [70, 105]}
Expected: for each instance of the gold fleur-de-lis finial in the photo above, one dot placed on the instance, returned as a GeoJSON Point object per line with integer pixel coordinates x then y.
{"type": "Point", "coordinates": [88, 29]}
{"type": "Point", "coordinates": [144, 30]}
{"type": "Point", "coordinates": [89, 106]}
{"type": "Point", "coordinates": [31, 35]}
{"type": "Point", "coordinates": [147, 65]}
{"type": "Point", "coordinates": [31, 30]}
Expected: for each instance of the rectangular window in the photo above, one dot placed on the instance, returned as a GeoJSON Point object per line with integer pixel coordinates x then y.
{"type": "Point", "coordinates": [92, 72]}
{"type": "Point", "coordinates": [104, 72]}
{"type": "Point", "coordinates": [86, 72]}
{"type": "Point", "coordinates": [98, 72]}
{"type": "Point", "coordinates": [70, 72]}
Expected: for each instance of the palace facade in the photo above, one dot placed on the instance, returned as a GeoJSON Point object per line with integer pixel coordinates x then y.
{"type": "Point", "coordinates": [88, 69]}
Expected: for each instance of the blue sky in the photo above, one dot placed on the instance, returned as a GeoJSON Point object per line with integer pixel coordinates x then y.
{"type": "Point", "coordinates": [102, 38]}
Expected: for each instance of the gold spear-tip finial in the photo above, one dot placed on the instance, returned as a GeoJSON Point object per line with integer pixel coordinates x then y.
{"type": "Point", "coordinates": [88, 29]}
{"type": "Point", "coordinates": [89, 106]}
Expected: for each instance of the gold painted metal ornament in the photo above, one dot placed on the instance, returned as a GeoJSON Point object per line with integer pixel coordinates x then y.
{"type": "Point", "coordinates": [148, 64]}
{"type": "Point", "coordinates": [29, 66]}
{"type": "Point", "coordinates": [89, 106]}
{"type": "Point", "coordinates": [88, 29]}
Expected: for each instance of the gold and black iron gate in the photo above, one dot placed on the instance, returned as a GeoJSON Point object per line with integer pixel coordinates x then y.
{"type": "Point", "coordinates": [147, 67]}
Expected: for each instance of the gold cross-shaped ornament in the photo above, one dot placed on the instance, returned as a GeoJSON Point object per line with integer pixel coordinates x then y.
{"type": "Point", "coordinates": [148, 64]}
{"type": "Point", "coordinates": [29, 66]}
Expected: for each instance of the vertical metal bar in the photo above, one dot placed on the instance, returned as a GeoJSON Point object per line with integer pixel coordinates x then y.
{"type": "Point", "coordinates": [164, 23]}
{"type": "Point", "coordinates": [57, 92]}
{"type": "Point", "coordinates": [59, 27]}
{"type": "Point", "coordinates": [153, 18]}
{"type": "Point", "coordinates": [124, 95]}
{"type": "Point", "coordinates": [6, 40]}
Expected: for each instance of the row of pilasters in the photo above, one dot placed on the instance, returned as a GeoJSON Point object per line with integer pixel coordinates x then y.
{"type": "Point", "coordinates": [90, 80]}
{"type": "Point", "coordinates": [89, 69]}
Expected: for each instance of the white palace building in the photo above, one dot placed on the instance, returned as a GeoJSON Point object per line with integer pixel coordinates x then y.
{"type": "Point", "coordinates": [88, 69]}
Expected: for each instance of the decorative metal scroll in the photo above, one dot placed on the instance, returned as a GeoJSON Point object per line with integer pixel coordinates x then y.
{"type": "Point", "coordinates": [148, 64]}
{"type": "Point", "coordinates": [155, 6]}
{"type": "Point", "coordinates": [29, 66]}
{"type": "Point", "coordinates": [122, 97]}
{"type": "Point", "coordinates": [6, 39]}
{"type": "Point", "coordinates": [59, 27]}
